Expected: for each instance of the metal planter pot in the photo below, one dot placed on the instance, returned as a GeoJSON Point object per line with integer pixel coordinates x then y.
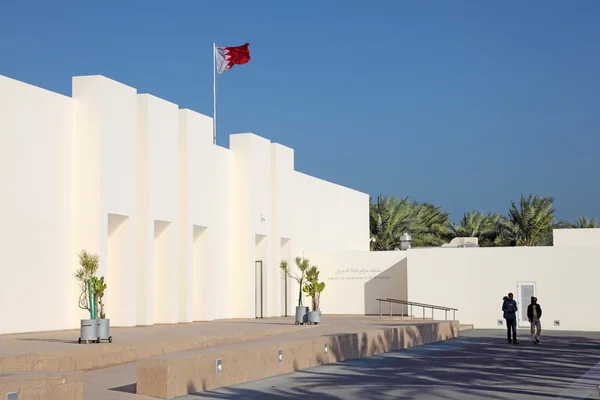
{"type": "Point", "coordinates": [89, 331]}
{"type": "Point", "coordinates": [104, 329]}
{"type": "Point", "coordinates": [301, 315]}
{"type": "Point", "coordinates": [314, 317]}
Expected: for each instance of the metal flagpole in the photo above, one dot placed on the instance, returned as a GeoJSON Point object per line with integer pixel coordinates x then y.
{"type": "Point", "coordinates": [214, 93]}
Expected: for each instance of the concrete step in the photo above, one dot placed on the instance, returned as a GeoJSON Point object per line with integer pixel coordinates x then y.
{"type": "Point", "coordinates": [170, 376]}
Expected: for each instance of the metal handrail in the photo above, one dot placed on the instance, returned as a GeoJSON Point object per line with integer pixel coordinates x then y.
{"type": "Point", "coordinates": [420, 304]}
{"type": "Point", "coordinates": [411, 304]}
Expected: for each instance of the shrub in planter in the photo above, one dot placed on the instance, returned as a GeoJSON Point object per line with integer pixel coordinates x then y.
{"type": "Point", "coordinates": [313, 288]}
{"type": "Point", "coordinates": [88, 266]}
{"type": "Point", "coordinates": [99, 287]}
{"type": "Point", "coordinates": [302, 265]}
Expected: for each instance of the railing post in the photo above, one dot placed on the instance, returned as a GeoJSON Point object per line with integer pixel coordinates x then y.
{"type": "Point", "coordinates": [423, 313]}
{"type": "Point", "coordinates": [453, 315]}
{"type": "Point", "coordinates": [380, 316]}
{"type": "Point", "coordinates": [391, 304]}
{"type": "Point", "coordinates": [446, 317]}
{"type": "Point", "coordinates": [411, 313]}
{"type": "Point", "coordinates": [401, 311]}
{"type": "Point", "coordinates": [432, 314]}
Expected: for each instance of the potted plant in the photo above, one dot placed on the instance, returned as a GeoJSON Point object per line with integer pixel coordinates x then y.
{"type": "Point", "coordinates": [88, 267]}
{"type": "Point", "coordinates": [303, 265]}
{"type": "Point", "coordinates": [98, 287]}
{"type": "Point", "coordinates": [313, 288]}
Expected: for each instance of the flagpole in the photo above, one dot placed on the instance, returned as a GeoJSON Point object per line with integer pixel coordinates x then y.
{"type": "Point", "coordinates": [214, 93]}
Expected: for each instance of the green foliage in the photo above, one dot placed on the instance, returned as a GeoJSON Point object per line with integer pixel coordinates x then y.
{"type": "Point", "coordinates": [88, 267]}
{"type": "Point", "coordinates": [313, 287]}
{"type": "Point", "coordinates": [302, 265]}
{"type": "Point", "coordinates": [390, 218]}
{"type": "Point", "coordinates": [582, 223]}
{"type": "Point", "coordinates": [98, 287]}
{"type": "Point", "coordinates": [486, 227]}
{"type": "Point", "coordinates": [529, 223]}
{"type": "Point", "coordinates": [431, 226]}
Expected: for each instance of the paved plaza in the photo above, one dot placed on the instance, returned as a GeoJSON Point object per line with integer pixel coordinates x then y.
{"type": "Point", "coordinates": [118, 381]}
{"type": "Point", "coordinates": [478, 365]}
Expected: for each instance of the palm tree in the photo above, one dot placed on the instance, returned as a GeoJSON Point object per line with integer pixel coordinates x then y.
{"type": "Point", "coordinates": [389, 218]}
{"type": "Point", "coordinates": [583, 222]}
{"type": "Point", "coordinates": [430, 227]}
{"type": "Point", "coordinates": [486, 227]}
{"type": "Point", "coordinates": [530, 223]}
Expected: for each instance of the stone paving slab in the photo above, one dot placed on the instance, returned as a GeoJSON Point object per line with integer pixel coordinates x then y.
{"type": "Point", "coordinates": [139, 343]}
{"type": "Point", "coordinates": [42, 385]}
{"type": "Point", "coordinates": [17, 344]}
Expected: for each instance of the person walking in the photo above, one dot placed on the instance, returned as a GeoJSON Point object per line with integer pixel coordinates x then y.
{"type": "Point", "coordinates": [509, 306]}
{"type": "Point", "coordinates": [534, 313]}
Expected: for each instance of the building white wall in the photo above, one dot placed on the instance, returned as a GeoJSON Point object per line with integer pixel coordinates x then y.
{"type": "Point", "coordinates": [158, 245]}
{"type": "Point", "coordinates": [106, 170]}
{"type": "Point", "coordinates": [326, 218]}
{"type": "Point", "coordinates": [282, 211]}
{"type": "Point", "coordinates": [354, 280]}
{"type": "Point", "coordinates": [37, 204]}
{"type": "Point", "coordinates": [476, 280]}
{"type": "Point", "coordinates": [329, 217]}
{"type": "Point", "coordinates": [252, 213]}
{"type": "Point", "coordinates": [581, 237]}
{"type": "Point", "coordinates": [473, 280]}
{"type": "Point", "coordinates": [208, 238]}
{"type": "Point", "coordinates": [177, 221]}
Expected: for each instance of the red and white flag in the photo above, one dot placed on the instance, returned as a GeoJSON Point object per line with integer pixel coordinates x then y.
{"type": "Point", "coordinates": [227, 57]}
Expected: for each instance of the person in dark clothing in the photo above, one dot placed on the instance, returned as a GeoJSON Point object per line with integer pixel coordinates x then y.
{"type": "Point", "coordinates": [534, 313]}
{"type": "Point", "coordinates": [509, 306]}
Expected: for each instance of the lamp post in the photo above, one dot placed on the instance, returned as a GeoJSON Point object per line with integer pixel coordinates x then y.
{"type": "Point", "coordinates": [405, 240]}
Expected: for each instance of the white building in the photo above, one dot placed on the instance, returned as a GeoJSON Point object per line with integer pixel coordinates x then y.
{"type": "Point", "coordinates": [564, 277]}
{"type": "Point", "coordinates": [182, 227]}
{"type": "Point", "coordinates": [190, 231]}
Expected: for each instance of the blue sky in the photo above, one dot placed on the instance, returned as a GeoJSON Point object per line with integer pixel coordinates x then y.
{"type": "Point", "coordinates": [463, 104]}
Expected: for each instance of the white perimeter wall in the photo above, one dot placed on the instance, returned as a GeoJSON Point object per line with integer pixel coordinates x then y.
{"type": "Point", "coordinates": [37, 204]}
{"type": "Point", "coordinates": [584, 237]}
{"type": "Point", "coordinates": [472, 280]}
{"type": "Point", "coordinates": [476, 280]}
{"type": "Point", "coordinates": [177, 221]}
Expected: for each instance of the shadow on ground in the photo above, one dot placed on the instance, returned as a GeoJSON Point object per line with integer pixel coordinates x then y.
{"type": "Point", "coordinates": [130, 388]}
{"type": "Point", "coordinates": [478, 364]}
{"type": "Point", "coordinates": [50, 340]}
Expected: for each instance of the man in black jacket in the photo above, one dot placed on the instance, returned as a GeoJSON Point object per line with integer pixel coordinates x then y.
{"type": "Point", "coordinates": [534, 313]}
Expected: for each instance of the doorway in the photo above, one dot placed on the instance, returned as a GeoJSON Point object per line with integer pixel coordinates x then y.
{"type": "Point", "coordinates": [524, 292]}
{"type": "Point", "coordinates": [258, 295]}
